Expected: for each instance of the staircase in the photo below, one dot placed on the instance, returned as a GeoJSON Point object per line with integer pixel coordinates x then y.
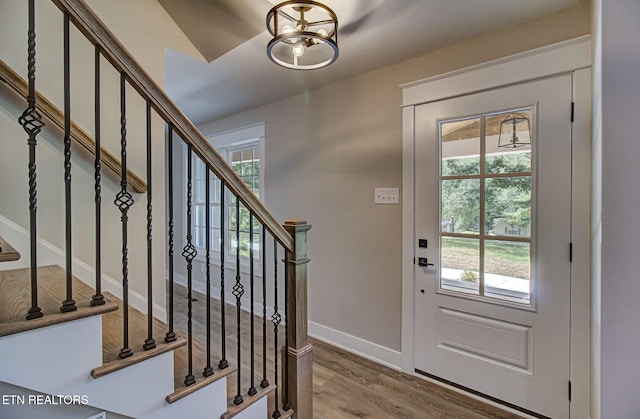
{"type": "Point", "coordinates": [89, 327]}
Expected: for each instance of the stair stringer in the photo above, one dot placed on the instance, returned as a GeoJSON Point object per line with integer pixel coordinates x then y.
{"type": "Point", "coordinates": [57, 360]}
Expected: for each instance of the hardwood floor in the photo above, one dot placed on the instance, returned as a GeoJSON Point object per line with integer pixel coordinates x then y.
{"type": "Point", "coordinates": [345, 385]}
{"type": "Point", "coordinates": [348, 386]}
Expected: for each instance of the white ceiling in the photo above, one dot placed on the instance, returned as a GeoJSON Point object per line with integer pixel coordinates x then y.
{"type": "Point", "coordinates": [372, 34]}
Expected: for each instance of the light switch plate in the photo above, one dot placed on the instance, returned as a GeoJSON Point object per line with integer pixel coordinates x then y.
{"type": "Point", "coordinates": [386, 196]}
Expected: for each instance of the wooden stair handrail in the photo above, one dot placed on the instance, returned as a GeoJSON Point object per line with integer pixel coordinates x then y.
{"type": "Point", "coordinates": [55, 115]}
{"type": "Point", "coordinates": [97, 32]}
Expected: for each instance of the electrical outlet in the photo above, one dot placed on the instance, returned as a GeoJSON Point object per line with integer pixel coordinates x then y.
{"type": "Point", "coordinates": [387, 196]}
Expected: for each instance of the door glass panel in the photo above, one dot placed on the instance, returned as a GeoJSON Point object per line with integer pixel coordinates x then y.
{"type": "Point", "coordinates": [485, 205]}
{"type": "Point", "coordinates": [508, 206]}
{"type": "Point", "coordinates": [500, 155]}
{"type": "Point", "coordinates": [507, 270]}
{"type": "Point", "coordinates": [460, 264]}
{"type": "Point", "coordinates": [460, 147]}
{"type": "Point", "coordinates": [460, 206]}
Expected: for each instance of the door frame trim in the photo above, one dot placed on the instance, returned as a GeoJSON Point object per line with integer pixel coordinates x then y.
{"type": "Point", "coordinates": [568, 57]}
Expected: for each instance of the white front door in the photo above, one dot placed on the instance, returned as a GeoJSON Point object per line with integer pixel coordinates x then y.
{"type": "Point", "coordinates": [493, 232]}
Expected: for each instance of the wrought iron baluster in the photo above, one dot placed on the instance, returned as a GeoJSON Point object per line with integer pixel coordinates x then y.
{"type": "Point", "coordinates": [189, 253]}
{"type": "Point", "coordinates": [265, 382]}
{"type": "Point", "coordinates": [32, 123]}
{"type": "Point", "coordinates": [124, 201]}
{"type": "Point", "coordinates": [68, 304]}
{"type": "Point", "coordinates": [223, 209]}
{"type": "Point", "coordinates": [252, 389]}
{"type": "Point", "coordinates": [98, 298]}
{"type": "Point", "coordinates": [171, 335]}
{"type": "Point", "coordinates": [149, 343]}
{"type": "Point", "coordinates": [275, 319]}
{"type": "Point", "coordinates": [238, 291]}
{"type": "Point", "coordinates": [208, 370]}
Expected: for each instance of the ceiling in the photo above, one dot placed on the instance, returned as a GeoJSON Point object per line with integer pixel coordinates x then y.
{"type": "Point", "coordinates": [232, 36]}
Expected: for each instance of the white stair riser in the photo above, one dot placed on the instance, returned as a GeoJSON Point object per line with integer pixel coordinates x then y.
{"type": "Point", "coordinates": [58, 359]}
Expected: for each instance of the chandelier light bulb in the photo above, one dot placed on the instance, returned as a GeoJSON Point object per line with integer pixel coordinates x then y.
{"type": "Point", "coordinates": [298, 49]}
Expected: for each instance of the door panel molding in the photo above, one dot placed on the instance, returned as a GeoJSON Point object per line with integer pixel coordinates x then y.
{"type": "Point", "coordinates": [504, 343]}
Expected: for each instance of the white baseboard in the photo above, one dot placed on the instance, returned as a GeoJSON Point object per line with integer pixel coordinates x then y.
{"type": "Point", "coordinates": [49, 254]}
{"type": "Point", "coordinates": [349, 343]}
{"type": "Point", "coordinates": [356, 345]}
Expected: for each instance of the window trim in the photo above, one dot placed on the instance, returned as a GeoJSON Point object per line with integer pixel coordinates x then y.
{"type": "Point", "coordinates": [225, 143]}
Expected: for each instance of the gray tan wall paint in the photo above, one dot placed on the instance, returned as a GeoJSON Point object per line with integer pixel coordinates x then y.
{"type": "Point", "coordinates": [328, 148]}
{"type": "Point", "coordinates": [619, 285]}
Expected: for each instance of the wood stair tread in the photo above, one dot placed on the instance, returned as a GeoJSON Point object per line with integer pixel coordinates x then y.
{"type": "Point", "coordinates": [113, 338]}
{"type": "Point", "coordinates": [199, 357]}
{"type": "Point", "coordinates": [15, 299]}
{"type": "Point", "coordinates": [7, 252]}
{"type": "Point", "coordinates": [235, 410]}
{"type": "Point", "coordinates": [112, 331]}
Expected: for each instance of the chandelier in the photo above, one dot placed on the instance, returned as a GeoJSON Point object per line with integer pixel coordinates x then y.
{"type": "Point", "coordinates": [305, 35]}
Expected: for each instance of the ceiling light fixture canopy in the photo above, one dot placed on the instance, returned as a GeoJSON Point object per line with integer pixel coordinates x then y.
{"type": "Point", "coordinates": [515, 131]}
{"type": "Point", "coordinates": [305, 35]}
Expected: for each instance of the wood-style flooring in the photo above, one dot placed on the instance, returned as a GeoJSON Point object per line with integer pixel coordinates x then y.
{"type": "Point", "coordinates": [345, 385]}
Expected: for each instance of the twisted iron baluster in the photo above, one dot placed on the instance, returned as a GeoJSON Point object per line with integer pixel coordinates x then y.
{"type": "Point", "coordinates": [98, 298]}
{"type": "Point", "coordinates": [189, 253]}
{"type": "Point", "coordinates": [223, 362]}
{"type": "Point", "coordinates": [68, 304]}
{"type": "Point", "coordinates": [265, 382]}
{"type": "Point", "coordinates": [171, 335]}
{"type": "Point", "coordinates": [238, 291]}
{"type": "Point", "coordinates": [208, 370]}
{"type": "Point", "coordinates": [149, 343]}
{"type": "Point", "coordinates": [32, 123]}
{"type": "Point", "coordinates": [124, 201]}
{"type": "Point", "coordinates": [275, 319]}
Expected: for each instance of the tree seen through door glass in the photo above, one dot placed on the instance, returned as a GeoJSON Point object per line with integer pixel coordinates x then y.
{"type": "Point", "coordinates": [485, 205]}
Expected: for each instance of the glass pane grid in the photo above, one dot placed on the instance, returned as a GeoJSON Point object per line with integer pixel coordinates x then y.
{"type": "Point", "coordinates": [485, 208]}
{"type": "Point", "coordinates": [246, 163]}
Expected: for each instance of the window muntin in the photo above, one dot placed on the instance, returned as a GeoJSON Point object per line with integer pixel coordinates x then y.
{"type": "Point", "coordinates": [245, 159]}
{"type": "Point", "coordinates": [485, 210]}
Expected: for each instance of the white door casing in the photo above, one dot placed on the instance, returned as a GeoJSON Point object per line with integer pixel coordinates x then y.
{"type": "Point", "coordinates": [535, 65]}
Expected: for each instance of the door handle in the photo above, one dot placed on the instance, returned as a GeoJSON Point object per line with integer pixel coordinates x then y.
{"type": "Point", "coordinates": [424, 262]}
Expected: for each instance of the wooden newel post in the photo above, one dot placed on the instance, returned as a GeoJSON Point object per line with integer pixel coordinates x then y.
{"type": "Point", "coordinates": [299, 352]}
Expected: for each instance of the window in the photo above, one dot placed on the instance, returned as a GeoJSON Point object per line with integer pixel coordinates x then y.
{"type": "Point", "coordinates": [485, 209]}
{"type": "Point", "coordinates": [244, 152]}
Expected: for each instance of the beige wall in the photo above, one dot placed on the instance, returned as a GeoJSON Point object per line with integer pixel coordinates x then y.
{"type": "Point", "coordinates": [147, 38]}
{"type": "Point", "coordinates": [619, 285]}
{"type": "Point", "coordinates": [596, 211]}
{"type": "Point", "coordinates": [326, 151]}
